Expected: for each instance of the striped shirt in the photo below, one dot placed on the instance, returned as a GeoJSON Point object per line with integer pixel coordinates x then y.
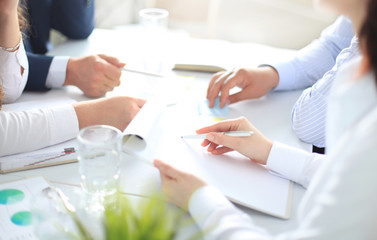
{"type": "Point", "coordinates": [315, 66]}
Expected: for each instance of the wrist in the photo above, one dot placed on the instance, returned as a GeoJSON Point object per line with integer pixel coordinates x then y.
{"type": "Point", "coordinates": [70, 74]}
{"type": "Point", "coordinates": [270, 75]}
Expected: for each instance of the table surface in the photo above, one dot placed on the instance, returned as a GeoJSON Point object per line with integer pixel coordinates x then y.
{"type": "Point", "coordinates": [270, 114]}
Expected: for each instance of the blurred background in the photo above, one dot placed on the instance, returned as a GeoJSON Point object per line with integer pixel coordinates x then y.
{"type": "Point", "coordinates": [280, 23]}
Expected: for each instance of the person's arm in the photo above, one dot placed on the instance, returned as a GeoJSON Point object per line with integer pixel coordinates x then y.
{"type": "Point", "coordinates": [13, 62]}
{"type": "Point", "coordinates": [73, 18]}
{"type": "Point", "coordinates": [303, 70]}
{"type": "Point", "coordinates": [14, 71]}
{"type": "Point", "coordinates": [341, 197]}
{"type": "Point", "coordinates": [24, 131]}
{"type": "Point", "coordinates": [313, 61]}
{"type": "Point", "coordinates": [310, 110]}
{"type": "Point", "coordinates": [30, 130]}
{"type": "Point", "coordinates": [39, 68]}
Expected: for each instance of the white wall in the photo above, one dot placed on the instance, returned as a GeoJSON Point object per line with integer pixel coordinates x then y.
{"type": "Point", "coordinates": [282, 23]}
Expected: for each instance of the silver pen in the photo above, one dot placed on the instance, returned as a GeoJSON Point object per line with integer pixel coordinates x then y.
{"type": "Point", "coordinates": [143, 72]}
{"type": "Point", "coordinates": [229, 133]}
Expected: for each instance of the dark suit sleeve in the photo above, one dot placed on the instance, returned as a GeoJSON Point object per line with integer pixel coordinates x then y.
{"type": "Point", "coordinates": [73, 18]}
{"type": "Point", "coordinates": [38, 70]}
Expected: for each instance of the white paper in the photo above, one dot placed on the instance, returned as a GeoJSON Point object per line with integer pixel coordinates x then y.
{"type": "Point", "coordinates": [30, 188]}
{"type": "Point", "coordinates": [241, 180]}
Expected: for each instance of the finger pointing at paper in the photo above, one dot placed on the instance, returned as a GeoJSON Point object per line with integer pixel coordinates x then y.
{"type": "Point", "coordinates": [256, 147]}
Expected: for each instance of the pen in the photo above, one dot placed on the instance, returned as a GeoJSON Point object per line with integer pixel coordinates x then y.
{"type": "Point", "coordinates": [143, 72]}
{"type": "Point", "coordinates": [229, 133]}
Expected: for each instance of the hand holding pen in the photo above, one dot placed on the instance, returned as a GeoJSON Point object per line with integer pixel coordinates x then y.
{"type": "Point", "coordinates": [246, 139]}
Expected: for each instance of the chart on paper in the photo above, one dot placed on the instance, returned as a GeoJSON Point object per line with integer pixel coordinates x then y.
{"type": "Point", "coordinates": [15, 215]}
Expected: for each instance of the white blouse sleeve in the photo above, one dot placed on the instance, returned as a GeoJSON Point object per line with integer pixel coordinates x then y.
{"type": "Point", "coordinates": [293, 163]}
{"type": "Point", "coordinates": [25, 131]}
{"type": "Point", "coordinates": [12, 77]}
{"type": "Point", "coordinates": [339, 203]}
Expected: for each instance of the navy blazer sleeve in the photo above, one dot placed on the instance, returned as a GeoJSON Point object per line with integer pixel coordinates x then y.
{"type": "Point", "coordinates": [72, 18]}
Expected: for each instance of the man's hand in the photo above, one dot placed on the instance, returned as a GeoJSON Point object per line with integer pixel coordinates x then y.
{"type": "Point", "coordinates": [254, 83]}
{"type": "Point", "coordinates": [94, 75]}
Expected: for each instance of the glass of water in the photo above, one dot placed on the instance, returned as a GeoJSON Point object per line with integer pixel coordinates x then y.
{"type": "Point", "coordinates": [99, 149]}
{"type": "Point", "coordinates": [154, 25]}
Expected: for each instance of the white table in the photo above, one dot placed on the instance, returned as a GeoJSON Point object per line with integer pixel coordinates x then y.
{"type": "Point", "coordinates": [270, 114]}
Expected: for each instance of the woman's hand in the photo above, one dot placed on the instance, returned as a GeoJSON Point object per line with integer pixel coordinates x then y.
{"type": "Point", "coordinates": [176, 185]}
{"type": "Point", "coordinates": [256, 147]}
{"type": "Point", "coordinates": [114, 111]}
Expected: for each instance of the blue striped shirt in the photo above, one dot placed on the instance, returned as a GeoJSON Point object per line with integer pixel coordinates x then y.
{"type": "Point", "coordinates": [315, 66]}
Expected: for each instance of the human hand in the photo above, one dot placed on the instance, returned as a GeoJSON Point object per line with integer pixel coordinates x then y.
{"type": "Point", "coordinates": [114, 111]}
{"type": "Point", "coordinates": [254, 82]}
{"type": "Point", "coordinates": [94, 75]}
{"type": "Point", "coordinates": [256, 147]}
{"type": "Point", "coordinates": [178, 186]}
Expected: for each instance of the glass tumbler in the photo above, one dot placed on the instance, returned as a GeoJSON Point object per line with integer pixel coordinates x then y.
{"type": "Point", "coordinates": [99, 149]}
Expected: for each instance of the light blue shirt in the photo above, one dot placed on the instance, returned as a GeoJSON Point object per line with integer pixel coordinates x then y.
{"type": "Point", "coordinates": [316, 66]}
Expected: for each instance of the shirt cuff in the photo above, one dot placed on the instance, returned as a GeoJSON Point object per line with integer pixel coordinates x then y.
{"type": "Point", "coordinates": [287, 75]}
{"type": "Point", "coordinates": [204, 201]}
{"type": "Point", "coordinates": [287, 161]}
{"type": "Point", "coordinates": [57, 72]}
{"type": "Point", "coordinates": [65, 123]}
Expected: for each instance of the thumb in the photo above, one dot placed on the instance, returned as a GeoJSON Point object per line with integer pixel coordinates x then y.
{"type": "Point", "coordinates": [221, 139]}
{"type": "Point", "coordinates": [112, 60]}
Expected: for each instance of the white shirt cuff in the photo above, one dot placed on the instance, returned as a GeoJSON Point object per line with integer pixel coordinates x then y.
{"type": "Point", "coordinates": [65, 124]}
{"type": "Point", "coordinates": [287, 75]}
{"type": "Point", "coordinates": [57, 72]}
{"type": "Point", "coordinates": [287, 161]}
{"type": "Point", "coordinates": [204, 201]}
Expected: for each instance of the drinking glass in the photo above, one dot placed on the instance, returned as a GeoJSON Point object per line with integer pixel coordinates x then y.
{"type": "Point", "coordinates": [99, 149]}
{"type": "Point", "coordinates": [154, 23]}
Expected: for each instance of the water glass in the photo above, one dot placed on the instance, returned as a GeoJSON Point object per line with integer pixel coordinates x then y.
{"type": "Point", "coordinates": [154, 23]}
{"type": "Point", "coordinates": [99, 149]}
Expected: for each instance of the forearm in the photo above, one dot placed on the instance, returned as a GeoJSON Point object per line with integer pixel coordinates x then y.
{"type": "Point", "coordinates": [73, 18]}
{"type": "Point", "coordinates": [24, 131]}
{"type": "Point", "coordinates": [9, 27]}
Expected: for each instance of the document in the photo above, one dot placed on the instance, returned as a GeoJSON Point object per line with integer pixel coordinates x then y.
{"type": "Point", "coordinates": [242, 181]}
{"type": "Point", "coordinates": [62, 153]}
{"type": "Point", "coordinates": [15, 207]}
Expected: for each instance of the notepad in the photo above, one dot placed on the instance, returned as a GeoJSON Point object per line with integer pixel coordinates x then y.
{"type": "Point", "coordinates": [62, 153]}
{"type": "Point", "coordinates": [215, 111]}
{"type": "Point", "coordinates": [198, 67]}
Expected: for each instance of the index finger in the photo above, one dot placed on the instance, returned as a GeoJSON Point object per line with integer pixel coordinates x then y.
{"type": "Point", "coordinates": [222, 126]}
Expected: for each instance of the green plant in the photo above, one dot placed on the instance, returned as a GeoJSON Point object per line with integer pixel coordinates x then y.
{"type": "Point", "coordinates": [149, 219]}
{"type": "Point", "coordinates": [145, 219]}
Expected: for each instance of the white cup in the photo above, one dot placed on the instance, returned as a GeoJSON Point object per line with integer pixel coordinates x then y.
{"type": "Point", "coordinates": [99, 150]}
